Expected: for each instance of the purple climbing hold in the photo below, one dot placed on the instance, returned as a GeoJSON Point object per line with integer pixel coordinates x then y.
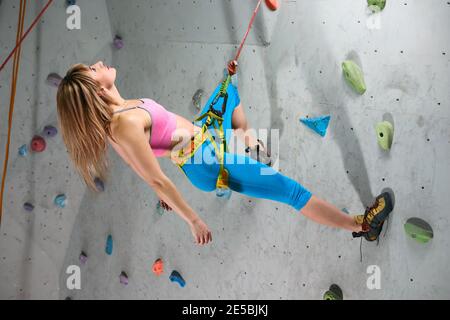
{"type": "Point", "coordinates": [123, 278]}
{"type": "Point", "coordinates": [28, 206]}
{"type": "Point", "coordinates": [54, 79]}
{"type": "Point", "coordinates": [50, 131]}
{"type": "Point", "coordinates": [99, 184]}
{"type": "Point", "coordinates": [118, 42]}
{"type": "Point", "coordinates": [83, 257]}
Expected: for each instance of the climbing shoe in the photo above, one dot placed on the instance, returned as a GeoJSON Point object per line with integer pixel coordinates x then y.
{"type": "Point", "coordinates": [260, 155]}
{"type": "Point", "coordinates": [373, 219]}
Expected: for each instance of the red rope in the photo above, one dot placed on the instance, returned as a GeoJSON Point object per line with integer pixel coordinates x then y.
{"type": "Point", "coordinates": [248, 30]}
{"type": "Point", "coordinates": [25, 34]}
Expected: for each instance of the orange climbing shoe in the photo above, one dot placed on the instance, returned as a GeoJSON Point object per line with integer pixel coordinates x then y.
{"type": "Point", "coordinates": [373, 219]}
{"type": "Point", "coordinates": [272, 4]}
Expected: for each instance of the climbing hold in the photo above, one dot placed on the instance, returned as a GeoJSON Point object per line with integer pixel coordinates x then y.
{"type": "Point", "coordinates": [50, 131]}
{"type": "Point", "coordinates": [123, 278]}
{"type": "Point", "coordinates": [23, 150]}
{"type": "Point", "coordinates": [319, 124]}
{"type": "Point", "coordinates": [272, 4]}
{"type": "Point", "coordinates": [334, 293]}
{"type": "Point", "coordinates": [158, 267]}
{"type": "Point", "coordinates": [38, 144]}
{"type": "Point", "coordinates": [197, 98]}
{"type": "Point", "coordinates": [28, 206]}
{"type": "Point", "coordinates": [223, 193]}
{"type": "Point", "coordinates": [354, 76]}
{"type": "Point", "coordinates": [109, 245]}
{"type": "Point", "coordinates": [118, 42]}
{"type": "Point", "coordinates": [68, 298]}
{"type": "Point", "coordinates": [60, 200]}
{"type": "Point", "coordinates": [54, 79]}
{"type": "Point", "coordinates": [99, 184]}
{"type": "Point", "coordinates": [419, 230]}
{"type": "Point", "coordinates": [385, 134]}
{"type": "Point", "coordinates": [345, 210]}
{"type": "Point", "coordinates": [83, 258]}
{"type": "Point", "coordinates": [71, 2]}
{"type": "Point", "coordinates": [380, 4]}
{"type": "Point", "coordinates": [159, 208]}
{"type": "Point", "coordinates": [175, 276]}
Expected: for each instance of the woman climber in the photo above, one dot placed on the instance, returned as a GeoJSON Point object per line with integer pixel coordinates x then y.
{"type": "Point", "coordinates": [92, 112]}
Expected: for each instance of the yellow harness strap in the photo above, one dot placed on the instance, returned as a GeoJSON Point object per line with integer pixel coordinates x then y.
{"type": "Point", "coordinates": [199, 138]}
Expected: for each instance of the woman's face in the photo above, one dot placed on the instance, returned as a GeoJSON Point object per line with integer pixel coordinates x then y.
{"type": "Point", "coordinates": [104, 74]}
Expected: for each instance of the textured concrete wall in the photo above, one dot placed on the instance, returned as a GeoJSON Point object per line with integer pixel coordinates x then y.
{"type": "Point", "coordinates": [290, 68]}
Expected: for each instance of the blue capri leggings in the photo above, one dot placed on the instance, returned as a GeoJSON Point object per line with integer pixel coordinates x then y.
{"type": "Point", "coordinates": [246, 175]}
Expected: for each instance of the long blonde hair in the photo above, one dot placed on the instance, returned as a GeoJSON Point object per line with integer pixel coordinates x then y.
{"type": "Point", "coordinates": [84, 119]}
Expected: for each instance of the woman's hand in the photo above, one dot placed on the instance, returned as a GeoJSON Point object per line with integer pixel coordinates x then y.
{"type": "Point", "coordinates": [201, 232]}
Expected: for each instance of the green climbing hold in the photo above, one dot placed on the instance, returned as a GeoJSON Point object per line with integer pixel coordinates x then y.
{"type": "Point", "coordinates": [385, 134]}
{"type": "Point", "coordinates": [334, 293]}
{"type": "Point", "coordinates": [419, 230]}
{"type": "Point", "coordinates": [354, 76]}
{"type": "Point", "coordinates": [380, 4]}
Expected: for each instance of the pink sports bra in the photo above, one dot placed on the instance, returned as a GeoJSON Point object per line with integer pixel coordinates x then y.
{"type": "Point", "coordinates": [164, 124]}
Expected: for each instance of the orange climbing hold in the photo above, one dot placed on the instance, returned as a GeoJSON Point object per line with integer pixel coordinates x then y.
{"type": "Point", "coordinates": [158, 267]}
{"type": "Point", "coordinates": [273, 4]}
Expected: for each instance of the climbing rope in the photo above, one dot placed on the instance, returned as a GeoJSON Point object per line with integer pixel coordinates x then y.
{"type": "Point", "coordinates": [20, 36]}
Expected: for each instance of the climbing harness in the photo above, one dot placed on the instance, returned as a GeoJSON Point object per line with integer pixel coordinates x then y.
{"type": "Point", "coordinates": [214, 118]}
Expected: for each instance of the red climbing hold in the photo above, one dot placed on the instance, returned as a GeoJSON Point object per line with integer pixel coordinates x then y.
{"type": "Point", "coordinates": [38, 144]}
{"type": "Point", "coordinates": [158, 267]}
{"type": "Point", "coordinates": [273, 4]}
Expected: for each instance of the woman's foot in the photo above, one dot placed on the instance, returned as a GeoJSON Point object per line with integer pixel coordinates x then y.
{"type": "Point", "coordinates": [259, 153]}
{"type": "Point", "coordinates": [373, 219]}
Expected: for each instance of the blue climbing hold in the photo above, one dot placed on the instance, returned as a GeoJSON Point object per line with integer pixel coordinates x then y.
{"type": "Point", "coordinates": [23, 150]}
{"type": "Point", "coordinates": [60, 200]}
{"type": "Point", "coordinates": [175, 276]}
{"type": "Point", "coordinates": [223, 193]}
{"type": "Point", "coordinates": [319, 124]}
{"type": "Point", "coordinates": [109, 245]}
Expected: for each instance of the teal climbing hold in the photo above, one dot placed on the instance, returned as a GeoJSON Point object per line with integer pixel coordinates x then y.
{"type": "Point", "coordinates": [354, 76]}
{"type": "Point", "coordinates": [109, 245]}
{"type": "Point", "coordinates": [385, 134]}
{"type": "Point", "coordinates": [159, 208]}
{"type": "Point", "coordinates": [418, 230]}
{"type": "Point", "coordinates": [60, 200]}
{"type": "Point", "coordinates": [319, 124]}
{"type": "Point", "coordinates": [175, 276]}
{"type": "Point", "coordinates": [380, 4]}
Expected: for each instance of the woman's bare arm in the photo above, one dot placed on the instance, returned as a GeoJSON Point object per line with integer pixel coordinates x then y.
{"type": "Point", "coordinates": [132, 139]}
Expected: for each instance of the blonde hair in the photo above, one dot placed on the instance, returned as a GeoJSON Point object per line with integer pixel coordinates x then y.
{"type": "Point", "coordinates": [84, 119]}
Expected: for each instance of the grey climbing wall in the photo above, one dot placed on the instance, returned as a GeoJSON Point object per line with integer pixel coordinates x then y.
{"type": "Point", "coordinates": [290, 69]}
